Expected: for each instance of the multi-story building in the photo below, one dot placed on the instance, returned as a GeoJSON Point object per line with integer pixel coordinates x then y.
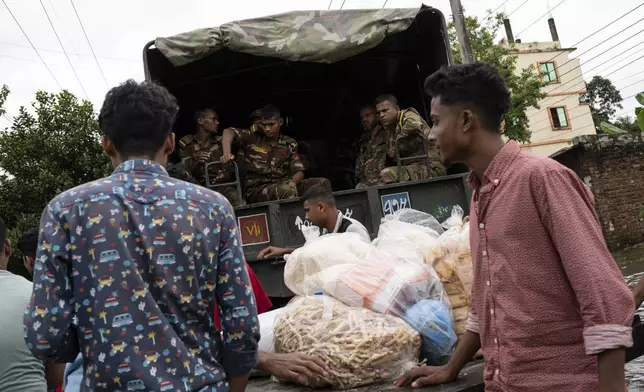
{"type": "Point", "coordinates": [564, 113]}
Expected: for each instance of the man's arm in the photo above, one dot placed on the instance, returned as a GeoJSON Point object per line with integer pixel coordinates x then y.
{"type": "Point", "coordinates": [54, 374]}
{"type": "Point", "coordinates": [435, 375]}
{"type": "Point", "coordinates": [297, 368]}
{"type": "Point", "coordinates": [48, 318]}
{"type": "Point", "coordinates": [606, 304]}
{"type": "Point", "coordinates": [238, 312]}
{"type": "Point", "coordinates": [272, 252]}
{"type": "Point", "coordinates": [469, 344]}
{"type": "Point", "coordinates": [638, 293]}
{"type": "Point", "coordinates": [296, 165]}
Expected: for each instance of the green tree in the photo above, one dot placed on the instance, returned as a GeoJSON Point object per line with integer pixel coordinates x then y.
{"type": "Point", "coordinates": [627, 123]}
{"type": "Point", "coordinates": [604, 99]}
{"type": "Point", "coordinates": [4, 93]}
{"type": "Point", "coordinates": [53, 147]}
{"type": "Point", "coordinates": [524, 85]}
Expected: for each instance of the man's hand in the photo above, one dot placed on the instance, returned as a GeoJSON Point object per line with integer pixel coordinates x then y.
{"type": "Point", "coordinates": [203, 156]}
{"type": "Point", "coordinates": [298, 368]}
{"type": "Point", "coordinates": [426, 375]}
{"type": "Point", "coordinates": [293, 186]}
{"type": "Point", "coordinates": [227, 158]}
{"type": "Point", "coordinates": [391, 152]}
{"type": "Point", "coordinates": [272, 252]}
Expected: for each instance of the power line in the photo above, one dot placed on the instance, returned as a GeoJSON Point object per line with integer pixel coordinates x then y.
{"type": "Point", "coordinates": [579, 66]}
{"type": "Point", "coordinates": [516, 9]}
{"type": "Point", "coordinates": [602, 29]}
{"type": "Point", "coordinates": [330, 2]}
{"type": "Point", "coordinates": [31, 43]}
{"type": "Point", "coordinates": [51, 5]}
{"type": "Point", "coordinates": [383, 6]}
{"type": "Point", "coordinates": [632, 84]}
{"type": "Point", "coordinates": [581, 115]}
{"type": "Point", "coordinates": [630, 76]}
{"type": "Point", "coordinates": [535, 22]}
{"type": "Point", "coordinates": [75, 54]}
{"type": "Point", "coordinates": [63, 48]}
{"type": "Point", "coordinates": [19, 58]}
{"type": "Point", "coordinates": [594, 57]}
{"type": "Point", "coordinates": [89, 43]}
{"type": "Point", "coordinates": [497, 8]}
{"type": "Point", "coordinates": [342, 6]}
{"type": "Point", "coordinates": [603, 42]}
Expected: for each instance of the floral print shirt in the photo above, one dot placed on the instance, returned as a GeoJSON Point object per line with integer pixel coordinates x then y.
{"type": "Point", "coordinates": [127, 270]}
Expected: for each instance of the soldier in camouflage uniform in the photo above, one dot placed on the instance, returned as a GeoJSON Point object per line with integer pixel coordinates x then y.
{"type": "Point", "coordinates": [203, 147]}
{"type": "Point", "coordinates": [372, 148]}
{"type": "Point", "coordinates": [410, 131]}
{"type": "Point", "coordinates": [274, 170]}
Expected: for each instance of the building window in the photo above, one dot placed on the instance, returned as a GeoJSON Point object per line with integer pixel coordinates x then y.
{"type": "Point", "coordinates": [548, 72]}
{"type": "Point", "coordinates": [559, 118]}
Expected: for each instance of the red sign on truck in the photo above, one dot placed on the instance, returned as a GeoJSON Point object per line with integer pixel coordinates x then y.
{"type": "Point", "coordinates": [254, 229]}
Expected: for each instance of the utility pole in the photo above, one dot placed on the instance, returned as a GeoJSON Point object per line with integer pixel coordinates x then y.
{"type": "Point", "coordinates": [461, 31]}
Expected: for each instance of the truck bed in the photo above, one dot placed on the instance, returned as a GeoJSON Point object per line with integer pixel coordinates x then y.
{"type": "Point", "coordinates": [470, 380]}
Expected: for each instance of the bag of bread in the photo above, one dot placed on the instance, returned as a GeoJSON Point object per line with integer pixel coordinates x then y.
{"type": "Point", "coordinates": [451, 258]}
{"type": "Point", "coordinates": [358, 345]}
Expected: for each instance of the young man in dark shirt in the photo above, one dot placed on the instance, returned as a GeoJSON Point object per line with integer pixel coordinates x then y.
{"type": "Point", "coordinates": [321, 211]}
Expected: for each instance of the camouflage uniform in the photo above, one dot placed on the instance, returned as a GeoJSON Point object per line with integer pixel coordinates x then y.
{"type": "Point", "coordinates": [270, 167]}
{"type": "Point", "coordinates": [189, 149]}
{"type": "Point", "coordinates": [410, 132]}
{"type": "Point", "coordinates": [372, 157]}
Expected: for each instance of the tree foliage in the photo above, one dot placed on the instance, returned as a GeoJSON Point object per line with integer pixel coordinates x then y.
{"type": "Point", "coordinates": [627, 123]}
{"type": "Point", "coordinates": [53, 147]}
{"type": "Point", "coordinates": [524, 85]}
{"type": "Point", "coordinates": [604, 99]}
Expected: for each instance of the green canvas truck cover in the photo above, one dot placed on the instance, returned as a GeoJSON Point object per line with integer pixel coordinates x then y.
{"type": "Point", "coordinates": [314, 36]}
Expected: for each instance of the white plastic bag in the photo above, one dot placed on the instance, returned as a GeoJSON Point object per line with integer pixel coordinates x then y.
{"type": "Point", "coordinates": [266, 324]}
{"type": "Point", "coordinates": [391, 281]}
{"type": "Point", "coordinates": [359, 346]}
{"type": "Point", "coordinates": [408, 230]}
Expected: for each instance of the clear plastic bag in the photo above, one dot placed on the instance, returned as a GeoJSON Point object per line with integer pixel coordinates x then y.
{"type": "Point", "coordinates": [358, 345]}
{"type": "Point", "coordinates": [451, 258]}
{"type": "Point", "coordinates": [408, 230]}
{"type": "Point", "coordinates": [390, 281]}
{"type": "Point", "coordinates": [301, 272]}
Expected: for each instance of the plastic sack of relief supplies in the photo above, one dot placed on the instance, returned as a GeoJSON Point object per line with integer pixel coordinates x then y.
{"type": "Point", "coordinates": [410, 230]}
{"type": "Point", "coordinates": [358, 345]}
{"type": "Point", "coordinates": [303, 266]}
{"type": "Point", "coordinates": [388, 282]}
{"type": "Point", "coordinates": [451, 258]}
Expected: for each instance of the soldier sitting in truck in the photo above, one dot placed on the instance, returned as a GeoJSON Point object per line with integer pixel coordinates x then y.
{"type": "Point", "coordinates": [410, 132]}
{"type": "Point", "coordinates": [321, 211]}
{"type": "Point", "coordinates": [203, 147]}
{"type": "Point", "coordinates": [274, 170]}
{"type": "Point", "coordinates": [372, 148]}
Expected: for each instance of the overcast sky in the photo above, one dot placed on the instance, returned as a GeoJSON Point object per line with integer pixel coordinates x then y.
{"type": "Point", "coordinates": [118, 30]}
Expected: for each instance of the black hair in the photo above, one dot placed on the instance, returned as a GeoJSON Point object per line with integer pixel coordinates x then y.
{"type": "Point", "coordinates": [138, 117]}
{"type": "Point", "coordinates": [28, 242]}
{"type": "Point", "coordinates": [478, 85]}
{"type": "Point", "coordinates": [319, 193]}
{"type": "Point", "coordinates": [255, 115]}
{"type": "Point", "coordinates": [3, 233]}
{"type": "Point", "coordinates": [201, 112]}
{"type": "Point", "coordinates": [387, 98]}
{"type": "Point", "coordinates": [270, 111]}
{"type": "Point", "coordinates": [367, 106]}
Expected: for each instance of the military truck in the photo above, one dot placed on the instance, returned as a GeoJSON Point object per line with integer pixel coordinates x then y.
{"type": "Point", "coordinates": [318, 67]}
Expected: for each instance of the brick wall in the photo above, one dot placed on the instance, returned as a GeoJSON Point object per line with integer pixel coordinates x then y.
{"type": "Point", "coordinates": [613, 167]}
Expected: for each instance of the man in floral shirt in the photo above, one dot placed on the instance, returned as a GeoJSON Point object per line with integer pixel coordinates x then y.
{"type": "Point", "coordinates": [128, 267]}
